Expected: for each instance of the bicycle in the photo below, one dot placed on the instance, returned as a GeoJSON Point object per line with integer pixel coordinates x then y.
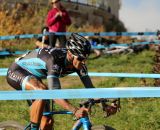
{"type": "Point", "coordinates": [109, 106]}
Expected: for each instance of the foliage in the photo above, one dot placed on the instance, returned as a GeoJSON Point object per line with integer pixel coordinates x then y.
{"type": "Point", "coordinates": [115, 25]}
{"type": "Point", "coordinates": [14, 19]}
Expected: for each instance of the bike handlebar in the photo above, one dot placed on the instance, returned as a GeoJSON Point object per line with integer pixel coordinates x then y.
{"type": "Point", "coordinates": [109, 106]}
{"type": "Point", "coordinates": [95, 101]}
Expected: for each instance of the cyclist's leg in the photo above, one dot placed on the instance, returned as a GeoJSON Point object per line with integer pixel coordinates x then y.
{"type": "Point", "coordinates": [33, 83]}
{"type": "Point", "coordinates": [46, 121]}
{"type": "Point", "coordinates": [20, 79]}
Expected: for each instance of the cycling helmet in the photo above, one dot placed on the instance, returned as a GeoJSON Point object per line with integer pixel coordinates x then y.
{"type": "Point", "coordinates": [78, 46]}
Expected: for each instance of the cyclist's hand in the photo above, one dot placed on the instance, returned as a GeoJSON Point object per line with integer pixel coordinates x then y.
{"type": "Point", "coordinates": [58, 14]}
{"type": "Point", "coordinates": [112, 109]}
{"type": "Point", "coordinates": [81, 112]}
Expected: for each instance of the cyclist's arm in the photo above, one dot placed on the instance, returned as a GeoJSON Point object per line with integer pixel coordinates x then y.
{"type": "Point", "coordinates": [53, 73]}
{"type": "Point", "coordinates": [66, 105]}
{"type": "Point", "coordinates": [83, 74]}
{"type": "Point", "coordinates": [78, 112]}
{"type": "Point", "coordinates": [87, 81]}
{"type": "Point", "coordinates": [53, 82]}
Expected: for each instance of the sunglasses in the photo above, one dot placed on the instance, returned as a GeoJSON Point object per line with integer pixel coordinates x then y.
{"type": "Point", "coordinates": [54, 2]}
{"type": "Point", "coordinates": [81, 58]}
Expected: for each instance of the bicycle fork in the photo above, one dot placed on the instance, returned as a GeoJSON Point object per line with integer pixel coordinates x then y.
{"type": "Point", "coordinates": [82, 122]}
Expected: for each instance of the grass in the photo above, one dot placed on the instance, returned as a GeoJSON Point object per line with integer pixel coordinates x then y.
{"type": "Point", "coordinates": [136, 113]}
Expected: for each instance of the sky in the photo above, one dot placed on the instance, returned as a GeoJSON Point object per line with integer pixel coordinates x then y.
{"type": "Point", "coordinates": [140, 15]}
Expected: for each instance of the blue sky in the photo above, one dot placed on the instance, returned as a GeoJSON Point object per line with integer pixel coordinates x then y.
{"type": "Point", "coordinates": [141, 15]}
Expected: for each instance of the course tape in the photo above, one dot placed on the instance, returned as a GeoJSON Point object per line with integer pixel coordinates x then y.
{"type": "Point", "coordinates": [8, 53]}
{"type": "Point", "coordinates": [3, 72]}
{"type": "Point", "coordinates": [125, 92]}
{"type": "Point", "coordinates": [83, 34]}
{"type": "Point", "coordinates": [125, 44]}
{"type": "Point", "coordinates": [5, 52]}
{"type": "Point", "coordinates": [125, 75]}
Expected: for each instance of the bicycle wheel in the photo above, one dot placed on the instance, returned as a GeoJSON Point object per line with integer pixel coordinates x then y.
{"type": "Point", "coordinates": [102, 127]}
{"type": "Point", "coordinates": [11, 125]}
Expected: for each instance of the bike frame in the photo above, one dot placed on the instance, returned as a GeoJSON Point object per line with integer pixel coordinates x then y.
{"type": "Point", "coordinates": [81, 123]}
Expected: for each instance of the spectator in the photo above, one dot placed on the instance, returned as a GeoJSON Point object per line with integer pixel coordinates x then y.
{"type": "Point", "coordinates": [57, 21]}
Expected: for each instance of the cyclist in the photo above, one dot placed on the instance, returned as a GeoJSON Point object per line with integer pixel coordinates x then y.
{"type": "Point", "coordinates": [27, 72]}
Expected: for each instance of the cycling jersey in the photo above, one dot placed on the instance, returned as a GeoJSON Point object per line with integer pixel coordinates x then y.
{"type": "Point", "coordinates": [47, 63]}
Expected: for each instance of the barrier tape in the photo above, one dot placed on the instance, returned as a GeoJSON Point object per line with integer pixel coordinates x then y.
{"type": "Point", "coordinates": [20, 36]}
{"type": "Point", "coordinates": [8, 53]}
{"type": "Point", "coordinates": [3, 72]}
{"type": "Point", "coordinates": [125, 44]}
{"type": "Point", "coordinates": [125, 92]}
{"type": "Point", "coordinates": [83, 34]}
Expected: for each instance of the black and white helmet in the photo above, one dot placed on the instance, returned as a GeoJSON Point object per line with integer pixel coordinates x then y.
{"type": "Point", "coordinates": [78, 46]}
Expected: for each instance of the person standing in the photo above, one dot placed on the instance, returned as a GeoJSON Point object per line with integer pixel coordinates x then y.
{"type": "Point", "coordinates": [57, 21]}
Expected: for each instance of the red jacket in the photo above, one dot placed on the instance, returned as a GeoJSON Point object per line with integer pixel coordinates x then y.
{"type": "Point", "coordinates": [57, 24]}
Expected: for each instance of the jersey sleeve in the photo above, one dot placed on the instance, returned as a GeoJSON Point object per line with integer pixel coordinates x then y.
{"type": "Point", "coordinates": [83, 74]}
{"type": "Point", "coordinates": [87, 82]}
{"type": "Point", "coordinates": [53, 74]}
{"type": "Point", "coordinates": [83, 71]}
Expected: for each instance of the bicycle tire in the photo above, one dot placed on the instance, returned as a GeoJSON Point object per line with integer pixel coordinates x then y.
{"type": "Point", "coordinates": [102, 127]}
{"type": "Point", "coordinates": [11, 125]}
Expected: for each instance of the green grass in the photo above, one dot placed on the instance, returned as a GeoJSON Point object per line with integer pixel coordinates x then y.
{"type": "Point", "coordinates": [135, 114]}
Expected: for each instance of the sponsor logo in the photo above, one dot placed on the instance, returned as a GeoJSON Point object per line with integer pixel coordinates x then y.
{"type": "Point", "coordinates": [31, 64]}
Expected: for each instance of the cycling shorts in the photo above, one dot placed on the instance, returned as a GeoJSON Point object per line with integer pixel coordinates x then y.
{"type": "Point", "coordinates": [17, 77]}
